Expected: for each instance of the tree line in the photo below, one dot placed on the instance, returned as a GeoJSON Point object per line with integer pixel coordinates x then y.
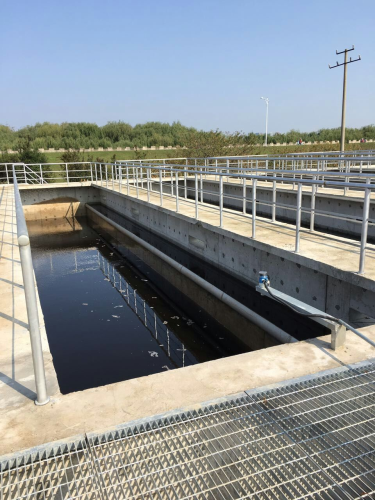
{"type": "Point", "coordinates": [120, 134]}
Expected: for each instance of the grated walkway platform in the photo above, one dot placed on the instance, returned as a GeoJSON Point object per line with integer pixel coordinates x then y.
{"type": "Point", "coordinates": [314, 438]}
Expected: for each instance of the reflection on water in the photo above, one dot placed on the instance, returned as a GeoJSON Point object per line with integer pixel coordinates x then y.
{"type": "Point", "coordinates": [106, 319]}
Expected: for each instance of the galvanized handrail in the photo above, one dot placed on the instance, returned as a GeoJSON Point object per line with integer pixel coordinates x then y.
{"type": "Point", "coordinates": [30, 298]}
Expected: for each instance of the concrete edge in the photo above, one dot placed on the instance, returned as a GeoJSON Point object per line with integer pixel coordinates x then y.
{"type": "Point", "coordinates": [311, 376]}
{"type": "Point", "coordinates": [80, 438]}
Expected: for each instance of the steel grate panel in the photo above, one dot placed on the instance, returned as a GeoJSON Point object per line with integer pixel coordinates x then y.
{"type": "Point", "coordinates": [314, 439]}
{"type": "Point", "coordinates": [61, 472]}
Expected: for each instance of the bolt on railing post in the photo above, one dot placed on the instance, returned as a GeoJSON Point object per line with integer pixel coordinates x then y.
{"type": "Point", "coordinates": [254, 208]}
{"type": "Point", "coordinates": [312, 210]}
{"type": "Point", "coordinates": [161, 186]}
{"type": "Point", "coordinates": [274, 201]}
{"type": "Point", "coordinates": [221, 200]}
{"type": "Point", "coordinates": [244, 195]}
{"type": "Point", "coordinates": [177, 191]}
{"type": "Point", "coordinates": [196, 195]}
{"type": "Point", "coordinates": [298, 217]}
{"type": "Point", "coordinates": [364, 229]}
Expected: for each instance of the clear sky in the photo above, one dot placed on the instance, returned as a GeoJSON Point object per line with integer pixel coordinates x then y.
{"type": "Point", "coordinates": [203, 62]}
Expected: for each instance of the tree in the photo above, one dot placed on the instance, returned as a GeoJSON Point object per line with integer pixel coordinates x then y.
{"type": "Point", "coordinates": [215, 143]}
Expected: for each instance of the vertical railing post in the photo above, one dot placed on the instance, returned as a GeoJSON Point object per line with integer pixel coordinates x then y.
{"type": "Point", "coordinates": [364, 229]}
{"type": "Point", "coordinates": [177, 192]}
{"type": "Point", "coordinates": [196, 194]}
{"type": "Point", "coordinates": [221, 199]}
{"type": "Point", "coordinates": [113, 180]}
{"type": "Point", "coordinates": [148, 172]}
{"type": "Point", "coordinates": [92, 177]}
{"type": "Point", "coordinates": [106, 175]}
{"type": "Point", "coordinates": [274, 201]}
{"type": "Point", "coordinates": [136, 181]}
{"type": "Point", "coordinates": [101, 174]}
{"type": "Point", "coordinates": [41, 173]}
{"type": "Point", "coordinates": [298, 216]}
{"type": "Point", "coordinates": [254, 208]}
{"type": "Point", "coordinates": [185, 182]}
{"type": "Point", "coordinates": [67, 173]}
{"type": "Point", "coordinates": [244, 195]}
{"type": "Point", "coordinates": [161, 186]}
{"type": "Point", "coordinates": [120, 178]}
{"type": "Point", "coordinates": [201, 183]}
{"type": "Point", "coordinates": [312, 209]}
{"type": "Point", "coordinates": [7, 173]}
{"type": "Point", "coordinates": [127, 180]}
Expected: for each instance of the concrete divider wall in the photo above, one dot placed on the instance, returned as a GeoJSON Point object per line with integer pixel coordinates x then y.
{"type": "Point", "coordinates": [320, 285]}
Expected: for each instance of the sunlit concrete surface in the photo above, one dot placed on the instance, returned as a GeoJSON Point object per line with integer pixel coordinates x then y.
{"type": "Point", "coordinates": [16, 368]}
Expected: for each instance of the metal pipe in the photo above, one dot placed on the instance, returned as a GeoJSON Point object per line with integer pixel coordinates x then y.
{"type": "Point", "coordinates": [30, 299]}
{"type": "Point", "coordinates": [312, 211]}
{"type": "Point", "coordinates": [196, 196]}
{"type": "Point", "coordinates": [254, 208]}
{"type": "Point", "coordinates": [176, 191]}
{"type": "Point", "coordinates": [252, 316]}
{"type": "Point", "coordinates": [221, 200]}
{"type": "Point", "coordinates": [298, 216]}
{"type": "Point", "coordinates": [364, 229]}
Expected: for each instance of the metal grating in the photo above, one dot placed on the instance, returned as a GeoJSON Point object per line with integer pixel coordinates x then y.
{"type": "Point", "coordinates": [59, 472]}
{"type": "Point", "coordinates": [313, 439]}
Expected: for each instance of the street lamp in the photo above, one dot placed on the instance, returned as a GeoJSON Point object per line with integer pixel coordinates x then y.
{"type": "Point", "coordinates": [266, 101]}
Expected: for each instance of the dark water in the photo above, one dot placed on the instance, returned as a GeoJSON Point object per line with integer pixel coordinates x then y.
{"type": "Point", "coordinates": [106, 318]}
{"type": "Point", "coordinates": [299, 327]}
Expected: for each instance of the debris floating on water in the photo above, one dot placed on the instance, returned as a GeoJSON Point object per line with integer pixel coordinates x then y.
{"type": "Point", "coordinates": [153, 354]}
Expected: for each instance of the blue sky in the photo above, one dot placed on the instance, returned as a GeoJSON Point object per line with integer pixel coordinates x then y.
{"type": "Point", "coordinates": [203, 62]}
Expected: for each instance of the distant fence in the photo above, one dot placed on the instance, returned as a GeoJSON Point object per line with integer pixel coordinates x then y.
{"type": "Point", "coordinates": [163, 148]}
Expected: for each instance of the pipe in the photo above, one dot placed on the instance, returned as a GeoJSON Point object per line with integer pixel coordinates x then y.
{"type": "Point", "coordinates": [252, 316]}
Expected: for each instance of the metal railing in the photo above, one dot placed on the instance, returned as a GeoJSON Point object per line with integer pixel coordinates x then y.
{"type": "Point", "coordinates": [174, 182]}
{"type": "Point", "coordinates": [31, 299]}
{"type": "Point", "coordinates": [185, 184]}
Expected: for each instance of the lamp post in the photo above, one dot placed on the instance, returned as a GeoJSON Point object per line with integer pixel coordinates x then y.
{"type": "Point", "coordinates": [266, 101]}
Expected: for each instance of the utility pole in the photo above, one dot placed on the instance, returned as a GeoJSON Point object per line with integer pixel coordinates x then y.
{"type": "Point", "coordinates": [345, 63]}
{"type": "Point", "coordinates": [266, 101]}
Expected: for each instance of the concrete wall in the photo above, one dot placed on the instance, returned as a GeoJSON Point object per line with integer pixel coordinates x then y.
{"type": "Point", "coordinates": [50, 202]}
{"type": "Point", "coordinates": [320, 285]}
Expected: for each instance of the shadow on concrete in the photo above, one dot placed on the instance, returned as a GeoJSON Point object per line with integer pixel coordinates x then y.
{"type": "Point", "coordinates": [28, 393]}
{"type": "Point", "coordinates": [14, 320]}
